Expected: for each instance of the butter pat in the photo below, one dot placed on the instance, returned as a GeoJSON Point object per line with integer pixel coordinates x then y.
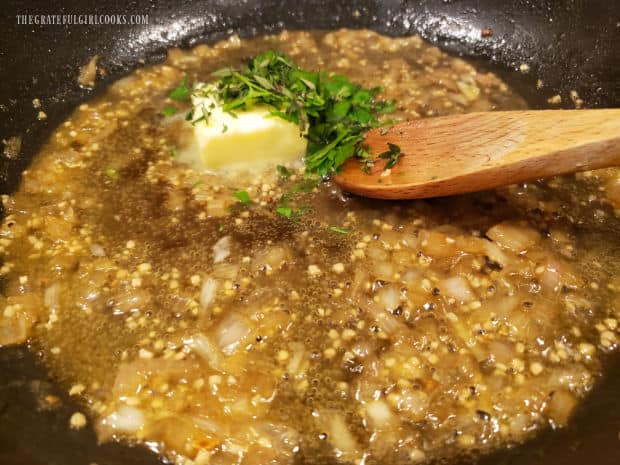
{"type": "Point", "coordinates": [245, 139]}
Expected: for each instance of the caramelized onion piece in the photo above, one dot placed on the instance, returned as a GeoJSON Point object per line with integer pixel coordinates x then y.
{"type": "Point", "coordinates": [458, 288]}
{"type": "Point", "coordinates": [339, 435]}
{"type": "Point", "coordinates": [517, 237]}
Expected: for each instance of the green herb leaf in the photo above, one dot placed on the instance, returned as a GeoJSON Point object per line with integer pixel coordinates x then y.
{"type": "Point", "coordinates": [182, 93]}
{"type": "Point", "coordinates": [111, 173]}
{"type": "Point", "coordinates": [284, 172]}
{"type": "Point", "coordinates": [338, 230]}
{"type": "Point", "coordinates": [306, 186]}
{"type": "Point", "coordinates": [393, 154]}
{"type": "Point", "coordinates": [174, 152]}
{"type": "Point", "coordinates": [286, 212]}
{"type": "Point", "coordinates": [169, 111]}
{"type": "Point", "coordinates": [242, 196]}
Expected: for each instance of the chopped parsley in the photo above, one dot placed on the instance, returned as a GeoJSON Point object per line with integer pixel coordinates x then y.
{"type": "Point", "coordinates": [291, 213]}
{"type": "Point", "coordinates": [111, 173]}
{"type": "Point", "coordinates": [286, 212]}
{"type": "Point", "coordinates": [169, 111]}
{"type": "Point", "coordinates": [284, 172]}
{"type": "Point", "coordinates": [338, 230]}
{"type": "Point", "coordinates": [174, 152]}
{"type": "Point", "coordinates": [332, 112]}
{"type": "Point", "coordinates": [182, 93]}
{"type": "Point", "coordinates": [242, 196]}
{"type": "Point", "coordinates": [309, 183]}
{"type": "Point", "coordinates": [392, 155]}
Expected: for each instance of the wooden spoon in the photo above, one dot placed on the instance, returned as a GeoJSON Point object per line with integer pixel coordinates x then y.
{"type": "Point", "coordinates": [477, 151]}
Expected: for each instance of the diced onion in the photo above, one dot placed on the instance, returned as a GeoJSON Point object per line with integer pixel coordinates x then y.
{"type": "Point", "coordinates": [503, 352]}
{"type": "Point", "coordinates": [221, 249]}
{"type": "Point", "coordinates": [226, 271]}
{"type": "Point", "coordinates": [338, 434]}
{"type": "Point", "coordinates": [458, 288]}
{"type": "Point", "coordinates": [514, 236]}
{"type": "Point", "coordinates": [413, 404]}
{"type": "Point", "coordinates": [272, 257]}
{"type": "Point", "coordinates": [13, 330]}
{"type": "Point", "coordinates": [389, 297]}
{"type": "Point", "coordinates": [125, 420]}
{"type": "Point", "coordinates": [411, 276]}
{"type": "Point", "coordinates": [561, 406]}
{"type": "Point", "coordinates": [379, 414]}
{"type": "Point", "coordinates": [231, 332]}
{"type": "Point", "coordinates": [50, 298]}
{"type": "Point", "coordinates": [296, 361]}
{"type": "Point", "coordinates": [203, 346]}
{"type": "Point", "coordinates": [357, 288]}
{"type": "Point", "coordinates": [384, 271]}
{"type": "Point", "coordinates": [97, 250]}
{"type": "Point", "coordinates": [130, 300]}
{"type": "Point", "coordinates": [494, 253]}
{"type": "Point", "coordinates": [215, 207]}
{"type": "Point", "coordinates": [207, 292]}
{"type": "Point", "coordinates": [550, 277]}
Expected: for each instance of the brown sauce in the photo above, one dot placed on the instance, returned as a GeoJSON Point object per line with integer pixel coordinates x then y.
{"type": "Point", "coordinates": [224, 333]}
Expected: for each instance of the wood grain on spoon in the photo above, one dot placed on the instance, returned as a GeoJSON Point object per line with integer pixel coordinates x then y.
{"type": "Point", "coordinates": [478, 151]}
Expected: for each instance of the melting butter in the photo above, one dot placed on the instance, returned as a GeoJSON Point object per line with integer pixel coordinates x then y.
{"type": "Point", "coordinates": [243, 139]}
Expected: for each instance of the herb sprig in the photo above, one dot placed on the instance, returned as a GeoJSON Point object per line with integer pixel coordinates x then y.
{"type": "Point", "coordinates": [392, 154]}
{"type": "Point", "coordinates": [332, 112]}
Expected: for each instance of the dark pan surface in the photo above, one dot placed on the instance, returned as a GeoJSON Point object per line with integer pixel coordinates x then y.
{"type": "Point", "coordinates": [570, 44]}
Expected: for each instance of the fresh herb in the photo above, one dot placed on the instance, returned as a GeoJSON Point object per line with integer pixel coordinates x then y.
{"type": "Point", "coordinates": [169, 111]}
{"type": "Point", "coordinates": [291, 213]}
{"type": "Point", "coordinates": [307, 185]}
{"type": "Point", "coordinates": [111, 173]}
{"type": "Point", "coordinates": [174, 152]}
{"type": "Point", "coordinates": [243, 197]}
{"type": "Point", "coordinates": [338, 230]}
{"type": "Point", "coordinates": [221, 228]}
{"type": "Point", "coordinates": [392, 155]}
{"type": "Point", "coordinates": [284, 172]}
{"type": "Point", "coordinates": [224, 128]}
{"type": "Point", "coordinates": [182, 93]}
{"type": "Point", "coordinates": [197, 183]}
{"type": "Point", "coordinates": [286, 212]}
{"type": "Point", "coordinates": [332, 112]}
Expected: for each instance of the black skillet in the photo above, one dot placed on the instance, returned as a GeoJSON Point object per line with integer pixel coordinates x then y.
{"type": "Point", "coordinates": [570, 44]}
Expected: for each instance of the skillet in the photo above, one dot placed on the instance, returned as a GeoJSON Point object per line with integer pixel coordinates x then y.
{"type": "Point", "coordinates": [569, 44]}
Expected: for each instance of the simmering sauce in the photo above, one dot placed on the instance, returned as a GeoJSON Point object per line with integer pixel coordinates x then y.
{"type": "Point", "coordinates": [358, 331]}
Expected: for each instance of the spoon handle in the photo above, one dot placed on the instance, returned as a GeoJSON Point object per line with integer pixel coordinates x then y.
{"type": "Point", "coordinates": [479, 151]}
